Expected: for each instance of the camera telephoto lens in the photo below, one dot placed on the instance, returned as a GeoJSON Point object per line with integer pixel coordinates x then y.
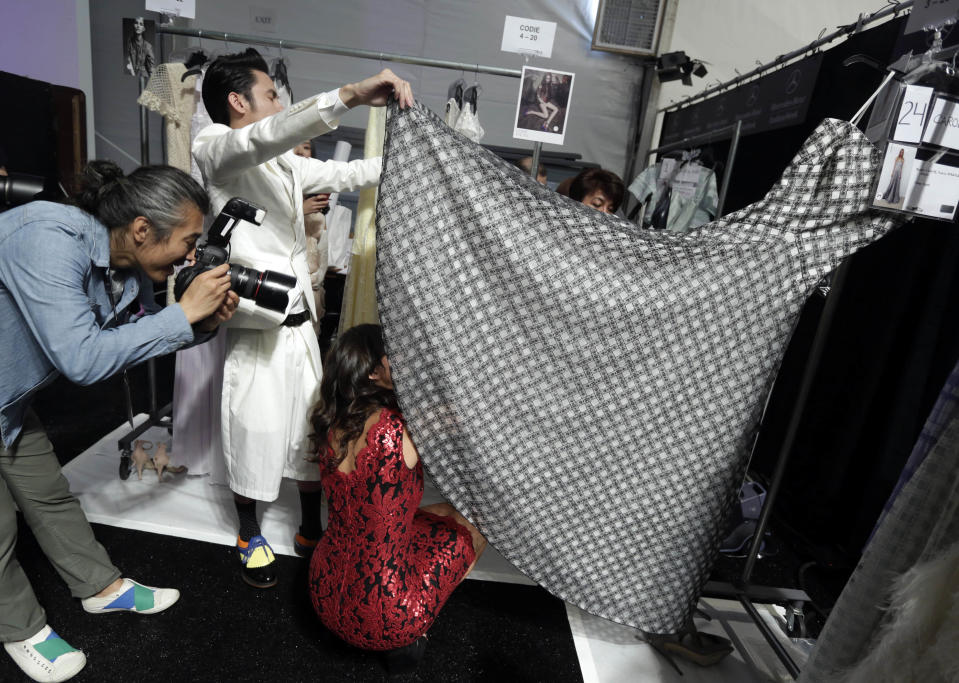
{"type": "Point", "coordinates": [243, 281]}
{"type": "Point", "coordinates": [268, 289]}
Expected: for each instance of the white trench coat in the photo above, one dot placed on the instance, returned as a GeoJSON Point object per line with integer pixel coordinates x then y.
{"type": "Point", "coordinates": [272, 373]}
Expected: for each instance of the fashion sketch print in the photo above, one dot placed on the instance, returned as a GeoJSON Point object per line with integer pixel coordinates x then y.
{"type": "Point", "coordinates": [896, 171]}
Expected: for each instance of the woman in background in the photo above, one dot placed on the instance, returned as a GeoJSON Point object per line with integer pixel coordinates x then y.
{"type": "Point", "coordinates": [598, 189]}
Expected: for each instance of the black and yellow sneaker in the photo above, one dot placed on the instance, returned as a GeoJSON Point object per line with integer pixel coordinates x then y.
{"type": "Point", "coordinates": [259, 562]}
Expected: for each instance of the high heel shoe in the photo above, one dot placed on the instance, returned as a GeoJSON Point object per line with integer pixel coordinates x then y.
{"type": "Point", "coordinates": [161, 462]}
{"type": "Point", "coordinates": [703, 649]}
{"type": "Point", "coordinates": [403, 660]}
{"type": "Point", "coordinates": [139, 457]}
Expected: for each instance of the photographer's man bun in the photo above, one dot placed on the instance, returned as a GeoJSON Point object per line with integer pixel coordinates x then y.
{"type": "Point", "coordinates": [97, 178]}
{"type": "Point", "coordinates": [156, 192]}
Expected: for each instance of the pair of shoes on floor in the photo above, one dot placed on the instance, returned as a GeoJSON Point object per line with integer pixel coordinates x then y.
{"type": "Point", "coordinates": [304, 546]}
{"type": "Point", "coordinates": [404, 660]}
{"type": "Point", "coordinates": [704, 649]}
{"type": "Point", "coordinates": [258, 562]}
{"type": "Point", "coordinates": [46, 657]}
{"type": "Point", "coordinates": [132, 597]}
{"type": "Point", "coordinates": [159, 462]}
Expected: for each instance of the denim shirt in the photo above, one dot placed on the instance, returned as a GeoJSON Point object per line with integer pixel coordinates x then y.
{"type": "Point", "coordinates": [55, 312]}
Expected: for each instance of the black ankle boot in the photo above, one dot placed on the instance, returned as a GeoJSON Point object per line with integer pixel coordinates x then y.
{"type": "Point", "coordinates": [403, 660]}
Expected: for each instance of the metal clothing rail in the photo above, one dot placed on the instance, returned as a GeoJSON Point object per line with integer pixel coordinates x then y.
{"type": "Point", "coordinates": [695, 140]}
{"type": "Point", "coordinates": [335, 50]}
{"type": "Point", "coordinates": [351, 52]}
{"type": "Point", "coordinates": [782, 59]}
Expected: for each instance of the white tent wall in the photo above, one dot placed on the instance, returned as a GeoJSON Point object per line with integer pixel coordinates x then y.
{"type": "Point", "coordinates": [605, 90]}
{"type": "Point", "coordinates": [738, 35]}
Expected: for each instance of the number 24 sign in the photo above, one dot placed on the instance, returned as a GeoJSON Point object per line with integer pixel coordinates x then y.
{"type": "Point", "coordinates": [912, 113]}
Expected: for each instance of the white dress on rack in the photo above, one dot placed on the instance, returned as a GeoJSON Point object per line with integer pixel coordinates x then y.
{"type": "Point", "coordinates": [198, 379]}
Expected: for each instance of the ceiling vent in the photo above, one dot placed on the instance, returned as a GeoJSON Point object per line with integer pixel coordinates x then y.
{"type": "Point", "coordinates": [628, 26]}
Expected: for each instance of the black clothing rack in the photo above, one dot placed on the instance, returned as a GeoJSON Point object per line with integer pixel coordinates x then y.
{"type": "Point", "coordinates": [697, 140]}
{"type": "Point", "coordinates": [744, 590]}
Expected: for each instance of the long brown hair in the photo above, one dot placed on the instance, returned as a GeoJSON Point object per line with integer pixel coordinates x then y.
{"type": "Point", "coordinates": [347, 394]}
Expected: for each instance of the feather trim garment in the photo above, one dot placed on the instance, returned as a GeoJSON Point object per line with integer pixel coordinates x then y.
{"type": "Point", "coordinates": [585, 391]}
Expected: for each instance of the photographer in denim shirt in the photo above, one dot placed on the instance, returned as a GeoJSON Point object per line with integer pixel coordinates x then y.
{"type": "Point", "coordinates": [67, 276]}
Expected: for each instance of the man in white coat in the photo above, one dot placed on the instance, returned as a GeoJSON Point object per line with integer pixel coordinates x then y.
{"type": "Point", "coordinates": [272, 370]}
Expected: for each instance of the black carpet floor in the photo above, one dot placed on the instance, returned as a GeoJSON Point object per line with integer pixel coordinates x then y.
{"type": "Point", "coordinates": [223, 630]}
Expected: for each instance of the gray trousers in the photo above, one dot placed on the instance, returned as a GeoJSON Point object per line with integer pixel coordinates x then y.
{"type": "Point", "coordinates": [30, 476]}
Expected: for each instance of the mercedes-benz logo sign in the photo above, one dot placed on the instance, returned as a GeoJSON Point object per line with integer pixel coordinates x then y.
{"type": "Point", "coordinates": [793, 83]}
{"type": "Point", "coordinates": [753, 96]}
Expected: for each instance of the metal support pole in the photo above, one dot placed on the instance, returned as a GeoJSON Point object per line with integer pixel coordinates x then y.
{"type": "Point", "coordinates": [152, 380]}
{"type": "Point", "coordinates": [144, 130]}
{"type": "Point", "coordinates": [770, 637]}
{"type": "Point", "coordinates": [537, 148]}
{"type": "Point", "coordinates": [728, 172]}
{"type": "Point", "coordinates": [336, 50]}
{"type": "Point", "coordinates": [785, 451]}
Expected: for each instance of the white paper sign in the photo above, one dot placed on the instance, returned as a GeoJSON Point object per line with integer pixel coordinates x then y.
{"type": "Point", "coordinates": [912, 113]}
{"type": "Point", "coordinates": [933, 190]}
{"type": "Point", "coordinates": [687, 180]}
{"type": "Point", "coordinates": [178, 8]}
{"type": "Point", "coordinates": [263, 19]}
{"type": "Point", "coordinates": [943, 126]}
{"type": "Point", "coordinates": [528, 36]}
{"type": "Point", "coordinates": [666, 168]}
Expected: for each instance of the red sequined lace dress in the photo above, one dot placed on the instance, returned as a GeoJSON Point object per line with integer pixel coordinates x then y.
{"type": "Point", "coordinates": [383, 568]}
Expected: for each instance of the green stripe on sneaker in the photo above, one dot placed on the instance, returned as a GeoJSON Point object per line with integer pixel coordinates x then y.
{"type": "Point", "coordinates": [142, 598]}
{"type": "Point", "coordinates": [53, 648]}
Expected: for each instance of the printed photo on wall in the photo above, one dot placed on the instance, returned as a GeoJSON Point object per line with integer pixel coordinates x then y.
{"type": "Point", "coordinates": [543, 105]}
{"type": "Point", "coordinates": [896, 170]}
{"type": "Point", "coordinates": [138, 35]}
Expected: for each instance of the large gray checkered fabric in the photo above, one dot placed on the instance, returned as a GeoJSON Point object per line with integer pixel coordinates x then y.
{"type": "Point", "coordinates": [583, 390]}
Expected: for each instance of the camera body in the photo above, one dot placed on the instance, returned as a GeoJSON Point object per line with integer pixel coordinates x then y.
{"type": "Point", "coordinates": [266, 288]}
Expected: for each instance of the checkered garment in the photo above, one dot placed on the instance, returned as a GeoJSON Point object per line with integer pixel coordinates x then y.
{"type": "Point", "coordinates": [585, 391]}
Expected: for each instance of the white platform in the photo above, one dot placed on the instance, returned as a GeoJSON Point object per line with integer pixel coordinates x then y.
{"type": "Point", "coordinates": [190, 507]}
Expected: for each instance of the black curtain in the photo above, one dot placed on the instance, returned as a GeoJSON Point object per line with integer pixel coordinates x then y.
{"type": "Point", "coordinates": [892, 343]}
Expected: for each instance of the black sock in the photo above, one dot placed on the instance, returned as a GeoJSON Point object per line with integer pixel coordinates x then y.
{"type": "Point", "coordinates": [310, 505]}
{"type": "Point", "coordinates": [248, 524]}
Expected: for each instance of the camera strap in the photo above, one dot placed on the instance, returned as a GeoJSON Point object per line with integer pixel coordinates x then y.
{"type": "Point", "coordinates": [128, 394]}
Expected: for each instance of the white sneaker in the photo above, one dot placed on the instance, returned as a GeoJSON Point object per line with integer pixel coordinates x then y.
{"type": "Point", "coordinates": [46, 656]}
{"type": "Point", "coordinates": [132, 597]}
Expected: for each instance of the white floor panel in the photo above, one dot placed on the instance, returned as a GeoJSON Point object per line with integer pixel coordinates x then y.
{"type": "Point", "coordinates": [611, 653]}
{"type": "Point", "coordinates": [190, 506]}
